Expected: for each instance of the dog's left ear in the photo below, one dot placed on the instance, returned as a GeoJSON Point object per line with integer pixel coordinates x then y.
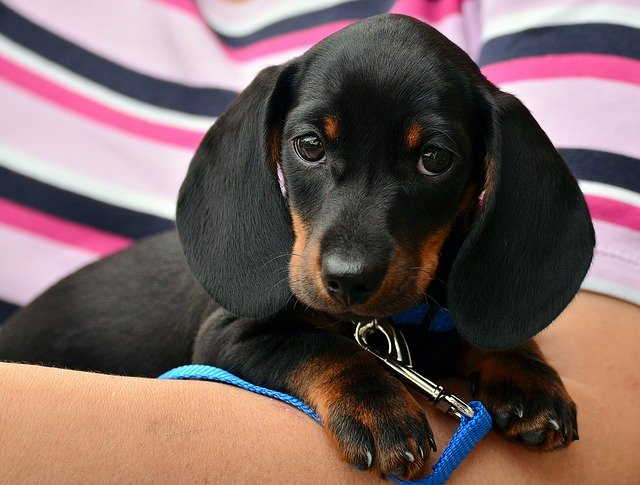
{"type": "Point", "coordinates": [231, 216]}
{"type": "Point", "coordinates": [532, 241]}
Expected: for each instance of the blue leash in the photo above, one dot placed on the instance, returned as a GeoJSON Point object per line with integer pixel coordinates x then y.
{"type": "Point", "coordinates": [469, 433]}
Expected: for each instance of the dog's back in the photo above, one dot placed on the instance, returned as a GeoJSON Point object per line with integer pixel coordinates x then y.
{"type": "Point", "coordinates": [142, 305]}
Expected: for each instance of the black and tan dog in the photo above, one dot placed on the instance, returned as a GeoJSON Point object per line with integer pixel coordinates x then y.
{"type": "Point", "coordinates": [405, 175]}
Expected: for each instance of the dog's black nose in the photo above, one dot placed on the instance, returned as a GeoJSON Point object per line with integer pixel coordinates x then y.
{"type": "Point", "coordinates": [350, 279]}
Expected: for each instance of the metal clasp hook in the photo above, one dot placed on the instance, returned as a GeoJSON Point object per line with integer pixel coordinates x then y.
{"type": "Point", "coordinates": [398, 358]}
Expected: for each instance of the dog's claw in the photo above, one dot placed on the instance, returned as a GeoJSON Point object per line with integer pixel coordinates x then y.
{"type": "Point", "coordinates": [518, 410]}
{"type": "Point", "coordinates": [365, 465]}
{"type": "Point", "coordinates": [409, 456]}
{"type": "Point", "coordinates": [432, 443]}
{"type": "Point", "coordinates": [556, 426]}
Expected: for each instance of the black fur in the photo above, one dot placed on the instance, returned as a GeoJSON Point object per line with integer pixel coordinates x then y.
{"type": "Point", "coordinates": [508, 265]}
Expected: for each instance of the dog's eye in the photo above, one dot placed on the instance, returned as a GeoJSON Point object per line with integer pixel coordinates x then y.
{"type": "Point", "coordinates": [435, 161]}
{"type": "Point", "coordinates": [309, 148]}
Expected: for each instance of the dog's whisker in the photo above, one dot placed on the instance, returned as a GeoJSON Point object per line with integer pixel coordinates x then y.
{"type": "Point", "coordinates": [279, 256]}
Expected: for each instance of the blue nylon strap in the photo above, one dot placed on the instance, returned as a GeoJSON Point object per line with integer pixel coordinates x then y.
{"type": "Point", "coordinates": [469, 432]}
{"type": "Point", "coordinates": [441, 320]}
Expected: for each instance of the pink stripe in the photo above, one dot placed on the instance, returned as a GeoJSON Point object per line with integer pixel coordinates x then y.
{"type": "Point", "coordinates": [98, 112]}
{"type": "Point", "coordinates": [66, 232]}
{"type": "Point", "coordinates": [565, 65]}
{"type": "Point", "coordinates": [29, 264]}
{"type": "Point", "coordinates": [587, 113]}
{"type": "Point", "coordinates": [292, 40]}
{"type": "Point", "coordinates": [614, 211]}
{"type": "Point", "coordinates": [429, 12]}
{"type": "Point", "coordinates": [90, 150]}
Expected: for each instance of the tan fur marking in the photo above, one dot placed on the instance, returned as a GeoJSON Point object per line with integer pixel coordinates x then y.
{"type": "Point", "coordinates": [429, 256]}
{"type": "Point", "coordinates": [296, 264]}
{"type": "Point", "coordinates": [489, 176]}
{"type": "Point", "coordinates": [331, 127]}
{"type": "Point", "coordinates": [413, 136]}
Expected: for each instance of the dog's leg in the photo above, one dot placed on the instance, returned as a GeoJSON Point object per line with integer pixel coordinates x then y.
{"type": "Point", "coordinates": [370, 416]}
{"type": "Point", "coordinates": [523, 393]}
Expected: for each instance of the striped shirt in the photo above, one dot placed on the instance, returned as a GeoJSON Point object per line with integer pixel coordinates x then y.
{"type": "Point", "coordinates": [103, 104]}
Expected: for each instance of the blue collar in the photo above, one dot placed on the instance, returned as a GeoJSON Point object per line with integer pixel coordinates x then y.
{"type": "Point", "coordinates": [440, 321]}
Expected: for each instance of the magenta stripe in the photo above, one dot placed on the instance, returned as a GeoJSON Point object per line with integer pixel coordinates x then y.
{"type": "Point", "coordinates": [599, 66]}
{"type": "Point", "coordinates": [186, 6]}
{"type": "Point", "coordinates": [91, 150]}
{"type": "Point", "coordinates": [66, 232]}
{"type": "Point", "coordinates": [587, 113]}
{"type": "Point", "coordinates": [291, 40]}
{"type": "Point", "coordinates": [80, 104]}
{"type": "Point", "coordinates": [614, 211]}
{"type": "Point", "coordinates": [429, 12]}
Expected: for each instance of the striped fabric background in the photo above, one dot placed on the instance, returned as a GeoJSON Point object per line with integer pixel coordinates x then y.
{"type": "Point", "coordinates": [103, 103]}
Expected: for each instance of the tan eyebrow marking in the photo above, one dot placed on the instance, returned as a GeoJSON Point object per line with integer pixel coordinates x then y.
{"type": "Point", "coordinates": [331, 127]}
{"type": "Point", "coordinates": [413, 136]}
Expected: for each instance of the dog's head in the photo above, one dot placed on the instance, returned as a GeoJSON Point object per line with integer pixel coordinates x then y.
{"type": "Point", "coordinates": [340, 175]}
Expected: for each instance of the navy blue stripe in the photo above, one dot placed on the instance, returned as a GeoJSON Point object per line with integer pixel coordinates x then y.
{"type": "Point", "coordinates": [77, 208]}
{"type": "Point", "coordinates": [593, 38]}
{"type": "Point", "coordinates": [6, 309]}
{"type": "Point", "coordinates": [604, 167]}
{"type": "Point", "coordinates": [159, 92]}
{"type": "Point", "coordinates": [358, 9]}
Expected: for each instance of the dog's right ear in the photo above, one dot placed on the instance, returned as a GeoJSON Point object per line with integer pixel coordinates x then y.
{"type": "Point", "coordinates": [231, 216]}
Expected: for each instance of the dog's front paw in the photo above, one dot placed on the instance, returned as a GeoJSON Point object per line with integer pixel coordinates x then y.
{"type": "Point", "coordinates": [528, 402]}
{"type": "Point", "coordinates": [380, 426]}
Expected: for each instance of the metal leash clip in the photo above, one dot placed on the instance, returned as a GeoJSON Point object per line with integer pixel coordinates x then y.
{"type": "Point", "coordinates": [398, 358]}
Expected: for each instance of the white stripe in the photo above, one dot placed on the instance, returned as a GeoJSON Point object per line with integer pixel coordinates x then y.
{"type": "Point", "coordinates": [89, 187]}
{"type": "Point", "coordinates": [42, 262]}
{"type": "Point", "coordinates": [214, 14]}
{"type": "Point", "coordinates": [98, 92]}
{"type": "Point", "coordinates": [560, 14]}
{"type": "Point", "coordinates": [609, 288]}
{"type": "Point", "coordinates": [610, 191]}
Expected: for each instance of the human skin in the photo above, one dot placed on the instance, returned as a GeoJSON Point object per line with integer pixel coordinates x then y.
{"type": "Point", "coordinates": [61, 426]}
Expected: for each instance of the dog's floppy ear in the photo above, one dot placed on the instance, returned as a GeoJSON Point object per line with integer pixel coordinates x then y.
{"type": "Point", "coordinates": [231, 215]}
{"type": "Point", "coordinates": [532, 241]}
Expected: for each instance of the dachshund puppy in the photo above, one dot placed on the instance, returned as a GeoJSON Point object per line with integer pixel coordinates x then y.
{"type": "Point", "coordinates": [376, 171]}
